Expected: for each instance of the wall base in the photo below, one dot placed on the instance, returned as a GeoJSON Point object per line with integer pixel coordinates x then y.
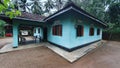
{"type": "Point", "coordinates": [72, 49]}
{"type": "Point", "coordinates": [15, 46]}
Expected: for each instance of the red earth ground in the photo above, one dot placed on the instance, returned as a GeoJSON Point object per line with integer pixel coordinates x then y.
{"type": "Point", "coordinates": [107, 56]}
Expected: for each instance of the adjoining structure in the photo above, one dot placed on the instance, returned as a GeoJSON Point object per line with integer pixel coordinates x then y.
{"type": "Point", "coordinates": [69, 28]}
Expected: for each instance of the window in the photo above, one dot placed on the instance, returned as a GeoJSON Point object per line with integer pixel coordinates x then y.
{"type": "Point", "coordinates": [57, 30]}
{"type": "Point", "coordinates": [80, 30]}
{"type": "Point", "coordinates": [98, 31]}
{"type": "Point", "coordinates": [91, 31]}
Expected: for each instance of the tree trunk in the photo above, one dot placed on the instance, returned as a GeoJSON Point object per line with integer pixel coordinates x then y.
{"type": "Point", "coordinates": [110, 36]}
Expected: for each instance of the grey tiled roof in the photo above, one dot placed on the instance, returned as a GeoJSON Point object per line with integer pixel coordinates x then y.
{"type": "Point", "coordinates": [31, 16]}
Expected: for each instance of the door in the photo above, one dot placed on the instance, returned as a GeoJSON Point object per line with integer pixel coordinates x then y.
{"type": "Point", "coordinates": [45, 34]}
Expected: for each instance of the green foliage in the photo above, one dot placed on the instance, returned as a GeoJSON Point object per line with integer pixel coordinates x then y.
{"type": "Point", "coordinates": [59, 4]}
{"type": "Point", "coordinates": [112, 32]}
{"type": "Point", "coordinates": [24, 5]}
{"type": "Point", "coordinates": [114, 18]}
{"type": "Point", "coordinates": [2, 31]}
{"type": "Point", "coordinates": [49, 4]}
{"type": "Point", "coordinates": [36, 7]}
{"type": "Point", "coordinates": [94, 7]}
{"type": "Point", "coordinates": [7, 8]}
{"type": "Point", "coordinates": [110, 27]}
{"type": "Point", "coordinates": [13, 13]}
{"type": "Point", "coordinates": [2, 23]}
{"type": "Point", "coordinates": [114, 13]}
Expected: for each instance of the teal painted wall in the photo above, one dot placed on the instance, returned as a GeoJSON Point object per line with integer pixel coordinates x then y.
{"type": "Point", "coordinates": [68, 22]}
{"type": "Point", "coordinates": [77, 19]}
{"type": "Point", "coordinates": [69, 38]}
{"type": "Point", "coordinates": [77, 41]}
{"type": "Point", "coordinates": [63, 40]}
{"type": "Point", "coordinates": [15, 34]}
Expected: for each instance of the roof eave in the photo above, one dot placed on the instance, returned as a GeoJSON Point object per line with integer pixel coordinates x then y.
{"type": "Point", "coordinates": [27, 19]}
{"type": "Point", "coordinates": [22, 18]}
{"type": "Point", "coordinates": [56, 14]}
{"type": "Point", "coordinates": [72, 8]}
{"type": "Point", "coordinates": [88, 16]}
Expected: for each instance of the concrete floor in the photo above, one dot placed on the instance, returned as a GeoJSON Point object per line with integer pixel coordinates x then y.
{"type": "Point", "coordinates": [76, 54]}
{"type": "Point", "coordinates": [6, 44]}
{"type": "Point", "coordinates": [69, 56]}
{"type": "Point", "coordinates": [107, 56]}
{"type": "Point", "coordinates": [9, 47]}
{"type": "Point", "coordinates": [9, 40]}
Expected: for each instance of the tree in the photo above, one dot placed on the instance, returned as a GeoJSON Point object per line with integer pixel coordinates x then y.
{"type": "Point", "coordinates": [95, 7]}
{"type": "Point", "coordinates": [36, 7]}
{"type": "Point", "coordinates": [114, 13]}
{"type": "Point", "coordinates": [49, 4]}
{"type": "Point", "coordinates": [59, 4]}
{"type": "Point", "coordinates": [114, 17]}
{"type": "Point", "coordinates": [24, 5]}
{"type": "Point", "coordinates": [7, 8]}
{"type": "Point", "coordinates": [2, 31]}
{"type": "Point", "coordinates": [16, 4]}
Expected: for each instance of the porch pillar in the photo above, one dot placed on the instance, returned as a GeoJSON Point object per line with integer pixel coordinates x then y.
{"type": "Point", "coordinates": [15, 35]}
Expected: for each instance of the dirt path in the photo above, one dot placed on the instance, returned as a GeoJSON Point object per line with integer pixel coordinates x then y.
{"type": "Point", "coordinates": [107, 56]}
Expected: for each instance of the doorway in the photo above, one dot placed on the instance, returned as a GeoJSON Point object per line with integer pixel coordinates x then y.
{"type": "Point", "coordinates": [45, 34]}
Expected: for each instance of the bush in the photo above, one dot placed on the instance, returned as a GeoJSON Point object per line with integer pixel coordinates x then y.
{"type": "Point", "coordinates": [2, 33]}
{"type": "Point", "coordinates": [111, 36]}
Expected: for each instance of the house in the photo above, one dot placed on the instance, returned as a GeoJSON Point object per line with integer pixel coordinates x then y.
{"type": "Point", "coordinates": [70, 28]}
